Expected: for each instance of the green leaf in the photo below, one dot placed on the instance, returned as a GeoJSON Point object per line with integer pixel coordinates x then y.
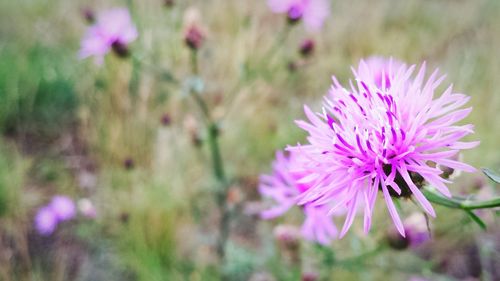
{"type": "Point", "coordinates": [494, 176]}
{"type": "Point", "coordinates": [476, 219]}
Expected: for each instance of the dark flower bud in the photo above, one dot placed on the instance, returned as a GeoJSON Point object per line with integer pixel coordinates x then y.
{"type": "Point", "coordinates": [120, 49]}
{"type": "Point", "coordinates": [88, 15]}
{"type": "Point", "coordinates": [165, 119]}
{"type": "Point", "coordinates": [396, 241]}
{"type": "Point", "coordinates": [129, 163]}
{"type": "Point", "coordinates": [307, 48]}
{"type": "Point", "coordinates": [169, 3]}
{"type": "Point", "coordinates": [124, 217]}
{"type": "Point", "coordinates": [292, 66]}
{"type": "Point", "coordinates": [310, 276]}
{"type": "Point", "coordinates": [294, 14]}
{"type": "Point", "coordinates": [194, 37]}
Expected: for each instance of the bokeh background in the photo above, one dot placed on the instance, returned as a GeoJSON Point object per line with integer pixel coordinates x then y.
{"type": "Point", "coordinates": [129, 139]}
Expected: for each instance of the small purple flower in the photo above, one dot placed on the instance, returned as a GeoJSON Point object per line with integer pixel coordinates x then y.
{"type": "Point", "coordinates": [312, 12]}
{"type": "Point", "coordinates": [390, 139]}
{"type": "Point", "coordinates": [113, 30]}
{"type": "Point", "coordinates": [45, 221]}
{"type": "Point", "coordinates": [284, 187]}
{"type": "Point", "coordinates": [63, 207]}
{"type": "Point", "coordinates": [416, 229]}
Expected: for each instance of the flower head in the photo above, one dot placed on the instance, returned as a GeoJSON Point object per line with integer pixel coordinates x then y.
{"type": "Point", "coordinates": [45, 221]}
{"type": "Point", "coordinates": [284, 187]}
{"type": "Point", "coordinates": [113, 30]}
{"type": "Point", "coordinates": [63, 207]}
{"type": "Point", "coordinates": [390, 139]}
{"type": "Point", "coordinates": [312, 12]}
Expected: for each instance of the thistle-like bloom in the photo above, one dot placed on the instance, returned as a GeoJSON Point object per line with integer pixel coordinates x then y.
{"type": "Point", "coordinates": [283, 186]}
{"type": "Point", "coordinates": [389, 139]}
{"type": "Point", "coordinates": [312, 12]}
{"type": "Point", "coordinates": [63, 207]}
{"type": "Point", "coordinates": [45, 221]}
{"type": "Point", "coordinates": [113, 30]}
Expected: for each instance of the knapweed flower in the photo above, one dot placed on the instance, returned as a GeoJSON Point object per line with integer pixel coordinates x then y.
{"type": "Point", "coordinates": [312, 12]}
{"type": "Point", "coordinates": [284, 187]}
{"type": "Point", "coordinates": [390, 139]}
{"type": "Point", "coordinates": [45, 221]}
{"type": "Point", "coordinates": [113, 30]}
{"type": "Point", "coordinates": [63, 207]}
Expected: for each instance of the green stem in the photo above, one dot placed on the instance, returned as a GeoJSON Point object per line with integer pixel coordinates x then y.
{"type": "Point", "coordinates": [217, 164]}
{"type": "Point", "coordinates": [460, 203]}
{"type": "Point", "coordinates": [363, 256]}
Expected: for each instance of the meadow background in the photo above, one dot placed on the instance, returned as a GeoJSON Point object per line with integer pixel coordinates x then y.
{"type": "Point", "coordinates": [127, 136]}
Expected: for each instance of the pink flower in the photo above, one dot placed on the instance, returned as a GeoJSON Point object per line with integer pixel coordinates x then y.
{"type": "Point", "coordinates": [63, 207]}
{"type": "Point", "coordinates": [313, 12]}
{"type": "Point", "coordinates": [368, 138]}
{"type": "Point", "coordinates": [283, 187]}
{"type": "Point", "coordinates": [45, 221]}
{"type": "Point", "coordinates": [113, 30]}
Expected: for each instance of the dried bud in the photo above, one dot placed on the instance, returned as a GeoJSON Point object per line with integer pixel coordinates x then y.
{"type": "Point", "coordinates": [288, 236]}
{"type": "Point", "coordinates": [165, 119]}
{"type": "Point", "coordinates": [124, 217]}
{"type": "Point", "coordinates": [128, 163]}
{"type": "Point", "coordinates": [194, 38]}
{"type": "Point", "coordinates": [310, 276]}
{"type": "Point", "coordinates": [307, 48]}
{"type": "Point", "coordinates": [120, 49]}
{"type": "Point", "coordinates": [169, 3]}
{"type": "Point", "coordinates": [295, 14]}
{"type": "Point", "coordinates": [396, 241]}
{"type": "Point", "coordinates": [292, 66]}
{"type": "Point", "coordinates": [194, 33]}
{"type": "Point", "coordinates": [88, 15]}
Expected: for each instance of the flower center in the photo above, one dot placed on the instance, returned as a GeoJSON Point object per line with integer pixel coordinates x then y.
{"type": "Point", "coordinates": [417, 179]}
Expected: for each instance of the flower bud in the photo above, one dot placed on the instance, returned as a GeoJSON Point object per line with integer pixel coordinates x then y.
{"type": "Point", "coordinates": [169, 3]}
{"type": "Point", "coordinates": [120, 49]}
{"type": "Point", "coordinates": [194, 33]}
{"type": "Point", "coordinates": [310, 276]}
{"type": "Point", "coordinates": [165, 119]}
{"type": "Point", "coordinates": [86, 207]}
{"type": "Point", "coordinates": [128, 163]}
{"type": "Point", "coordinates": [288, 236]}
{"type": "Point", "coordinates": [396, 241]}
{"type": "Point", "coordinates": [307, 48]}
{"type": "Point", "coordinates": [88, 15]}
{"type": "Point", "coordinates": [294, 14]}
{"type": "Point", "coordinates": [193, 38]}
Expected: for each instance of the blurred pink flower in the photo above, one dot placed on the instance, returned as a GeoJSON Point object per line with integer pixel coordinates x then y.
{"type": "Point", "coordinates": [87, 208]}
{"type": "Point", "coordinates": [416, 229]}
{"type": "Point", "coordinates": [367, 139]}
{"type": "Point", "coordinates": [45, 221]}
{"type": "Point", "coordinates": [312, 12]}
{"type": "Point", "coordinates": [63, 207]}
{"type": "Point", "coordinates": [283, 187]}
{"type": "Point", "coordinates": [113, 30]}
